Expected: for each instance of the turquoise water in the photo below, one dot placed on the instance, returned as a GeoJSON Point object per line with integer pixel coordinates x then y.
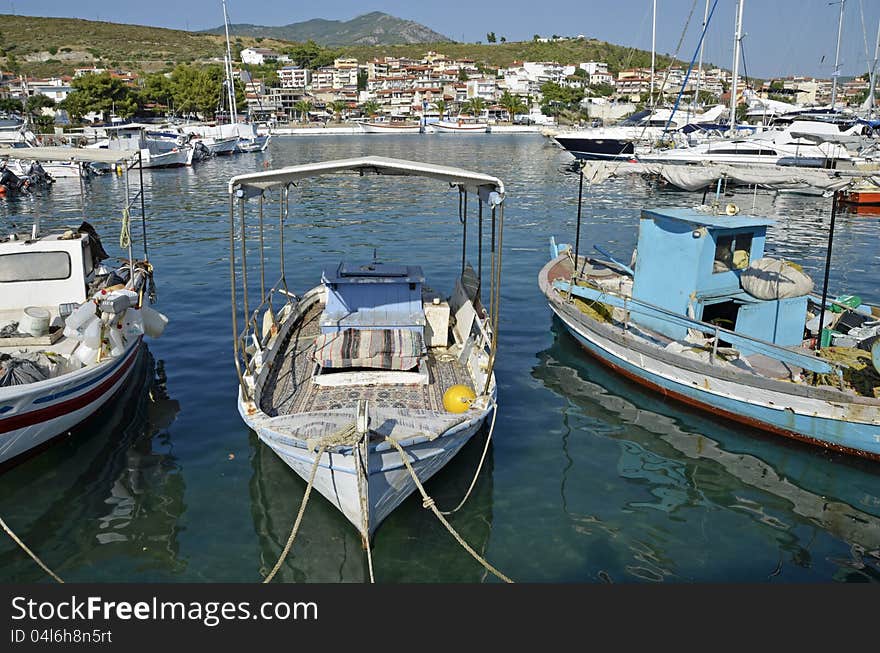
{"type": "Point", "coordinates": [589, 479]}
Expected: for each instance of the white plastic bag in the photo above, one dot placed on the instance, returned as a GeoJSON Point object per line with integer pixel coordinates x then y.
{"type": "Point", "coordinates": [769, 278]}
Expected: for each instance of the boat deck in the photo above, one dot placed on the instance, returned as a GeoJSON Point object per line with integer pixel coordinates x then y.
{"type": "Point", "coordinates": [289, 388]}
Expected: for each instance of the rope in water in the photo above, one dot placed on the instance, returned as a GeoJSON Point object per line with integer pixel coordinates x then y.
{"type": "Point", "coordinates": [302, 509]}
{"type": "Point", "coordinates": [479, 466]}
{"type": "Point", "coordinates": [25, 548]}
{"type": "Point", "coordinates": [428, 502]}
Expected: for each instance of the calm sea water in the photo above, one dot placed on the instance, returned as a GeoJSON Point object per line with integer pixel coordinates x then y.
{"type": "Point", "coordinates": [589, 479]}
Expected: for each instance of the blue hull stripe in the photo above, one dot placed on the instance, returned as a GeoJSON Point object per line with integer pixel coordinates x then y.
{"type": "Point", "coordinates": [82, 386]}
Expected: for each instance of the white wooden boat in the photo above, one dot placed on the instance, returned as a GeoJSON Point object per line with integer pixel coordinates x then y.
{"type": "Point", "coordinates": [70, 329]}
{"type": "Point", "coordinates": [391, 126]}
{"type": "Point", "coordinates": [460, 126]}
{"type": "Point", "coordinates": [366, 361]}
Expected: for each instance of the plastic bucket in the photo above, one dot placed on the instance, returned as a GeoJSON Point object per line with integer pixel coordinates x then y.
{"type": "Point", "coordinates": [35, 321]}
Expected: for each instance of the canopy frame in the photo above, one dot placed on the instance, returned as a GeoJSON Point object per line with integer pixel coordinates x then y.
{"type": "Point", "coordinates": [249, 342]}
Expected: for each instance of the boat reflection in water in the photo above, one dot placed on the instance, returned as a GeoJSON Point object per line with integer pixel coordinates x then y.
{"type": "Point", "coordinates": [699, 473]}
{"type": "Point", "coordinates": [93, 503]}
{"type": "Point", "coordinates": [412, 546]}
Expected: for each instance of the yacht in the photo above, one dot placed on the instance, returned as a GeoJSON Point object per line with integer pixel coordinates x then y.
{"type": "Point", "coordinates": [643, 127]}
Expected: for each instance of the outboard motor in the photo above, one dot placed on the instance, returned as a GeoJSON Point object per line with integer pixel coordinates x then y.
{"type": "Point", "coordinates": [12, 183]}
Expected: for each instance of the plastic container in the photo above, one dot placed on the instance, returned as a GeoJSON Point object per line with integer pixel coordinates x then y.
{"type": "Point", "coordinates": [35, 321]}
{"type": "Point", "coordinates": [79, 317]}
{"type": "Point", "coordinates": [154, 321]}
{"type": "Point", "coordinates": [117, 342]}
{"type": "Point", "coordinates": [91, 337]}
{"type": "Point", "coordinates": [132, 324]}
{"type": "Point", "coordinates": [85, 354]}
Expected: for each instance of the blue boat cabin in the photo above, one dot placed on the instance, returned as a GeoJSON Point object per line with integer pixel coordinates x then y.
{"type": "Point", "coordinates": [373, 296]}
{"type": "Point", "coordinates": [690, 262]}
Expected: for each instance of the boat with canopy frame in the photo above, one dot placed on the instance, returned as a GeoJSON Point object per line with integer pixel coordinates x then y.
{"type": "Point", "coordinates": [370, 382]}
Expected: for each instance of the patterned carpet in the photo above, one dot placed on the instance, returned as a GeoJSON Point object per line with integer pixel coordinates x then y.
{"type": "Point", "coordinates": [289, 388]}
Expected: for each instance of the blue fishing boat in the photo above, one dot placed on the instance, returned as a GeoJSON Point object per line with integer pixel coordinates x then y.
{"type": "Point", "coordinates": [701, 316]}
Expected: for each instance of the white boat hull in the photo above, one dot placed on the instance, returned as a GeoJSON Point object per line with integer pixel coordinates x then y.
{"type": "Point", "coordinates": [389, 484]}
{"type": "Point", "coordinates": [379, 128]}
{"type": "Point", "coordinates": [33, 414]}
{"type": "Point", "coordinates": [444, 127]}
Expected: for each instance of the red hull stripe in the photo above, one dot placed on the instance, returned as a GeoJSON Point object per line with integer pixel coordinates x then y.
{"type": "Point", "coordinates": [69, 406]}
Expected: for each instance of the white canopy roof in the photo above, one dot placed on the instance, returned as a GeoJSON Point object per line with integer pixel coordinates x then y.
{"type": "Point", "coordinates": [472, 181]}
{"type": "Point", "coordinates": [78, 154]}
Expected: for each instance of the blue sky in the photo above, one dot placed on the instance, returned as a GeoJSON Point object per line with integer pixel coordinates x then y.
{"type": "Point", "coordinates": [783, 37]}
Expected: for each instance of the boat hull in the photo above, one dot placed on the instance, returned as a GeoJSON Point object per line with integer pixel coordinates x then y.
{"type": "Point", "coordinates": [32, 415]}
{"type": "Point", "coordinates": [389, 481]}
{"type": "Point", "coordinates": [378, 128]}
{"type": "Point", "coordinates": [601, 149]}
{"type": "Point", "coordinates": [255, 144]}
{"type": "Point", "coordinates": [861, 197]}
{"type": "Point", "coordinates": [848, 427]}
{"type": "Point", "coordinates": [463, 128]}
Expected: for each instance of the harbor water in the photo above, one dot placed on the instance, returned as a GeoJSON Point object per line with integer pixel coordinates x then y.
{"type": "Point", "coordinates": [588, 479]}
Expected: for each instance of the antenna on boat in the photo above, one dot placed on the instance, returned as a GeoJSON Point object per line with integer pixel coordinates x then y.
{"type": "Point", "coordinates": [577, 238]}
{"type": "Point", "coordinates": [827, 270]}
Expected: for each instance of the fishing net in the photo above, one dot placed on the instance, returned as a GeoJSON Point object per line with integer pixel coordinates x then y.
{"type": "Point", "coordinates": [859, 374]}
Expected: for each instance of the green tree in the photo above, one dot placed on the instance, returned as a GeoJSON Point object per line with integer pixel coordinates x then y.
{"type": "Point", "coordinates": [602, 90]}
{"type": "Point", "coordinates": [338, 107]}
{"type": "Point", "coordinates": [363, 78]}
{"type": "Point", "coordinates": [490, 37]}
{"type": "Point", "coordinates": [37, 102]}
{"type": "Point", "coordinates": [302, 108]}
{"type": "Point", "coordinates": [513, 104]}
{"type": "Point", "coordinates": [10, 104]}
{"type": "Point", "coordinates": [311, 55]}
{"type": "Point", "coordinates": [504, 39]}
{"type": "Point", "coordinates": [441, 107]}
{"type": "Point", "coordinates": [102, 94]}
{"type": "Point", "coordinates": [370, 108]}
{"type": "Point", "coordinates": [462, 75]}
{"type": "Point", "coordinates": [558, 98]}
{"type": "Point", "coordinates": [474, 106]}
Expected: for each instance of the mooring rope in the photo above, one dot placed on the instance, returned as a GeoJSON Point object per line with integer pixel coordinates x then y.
{"type": "Point", "coordinates": [479, 466]}
{"type": "Point", "coordinates": [125, 230]}
{"type": "Point", "coordinates": [428, 502]}
{"type": "Point", "coordinates": [302, 509]}
{"type": "Point", "coordinates": [363, 482]}
{"type": "Point", "coordinates": [25, 548]}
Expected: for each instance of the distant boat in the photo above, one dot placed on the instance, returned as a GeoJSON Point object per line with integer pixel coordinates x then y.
{"type": "Point", "coordinates": [681, 322]}
{"type": "Point", "coordinates": [461, 126]}
{"type": "Point", "coordinates": [392, 125]}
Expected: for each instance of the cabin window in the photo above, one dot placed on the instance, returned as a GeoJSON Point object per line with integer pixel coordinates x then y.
{"type": "Point", "coordinates": [34, 266]}
{"type": "Point", "coordinates": [732, 252]}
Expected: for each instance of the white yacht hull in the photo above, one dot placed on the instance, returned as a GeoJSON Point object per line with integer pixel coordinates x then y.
{"type": "Point", "coordinates": [444, 127]}
{"type": "Point", "coordinates": [379, 128]}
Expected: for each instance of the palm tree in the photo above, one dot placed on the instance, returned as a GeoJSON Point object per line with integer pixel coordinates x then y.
{"type": "Point", "coordinates": [302, 108]}
{"type": "Point", "coordinates": [513, 104]}
{"type": "Point", "coordinates": [337, 107]}
{"type": "Point", "coordinates": [475, 106]}
{"type": "Point", "coordinates": [441, 107]}
{"type": "Point", "coordinates": [370, 108]}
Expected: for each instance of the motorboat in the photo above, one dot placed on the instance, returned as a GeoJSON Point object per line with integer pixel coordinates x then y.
{"type": "Point", "coordinates": [369, 382]}
{"type": "Point", "coordinates": [726, 329]}
{"type": "Point", "coordinates": [619, 142]}
{"type": "Point", "coordinates": [71, 327]}
{"type": "Point", "coordinates": [154, 152]}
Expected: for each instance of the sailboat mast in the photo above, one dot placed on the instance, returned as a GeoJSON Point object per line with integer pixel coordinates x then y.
{"type": "Point", "coordinates": [700, 65]}
{"type": "Point", "coordinates": [230, 86]}
{"type": "Point", "coordinates": [733, 83]}
{"type": "Point", "coordinates": [837, 55]}
{"type": "Point", "coordinates": [653, 48]}
{"type": "Point", "coordinates": [873, 75]}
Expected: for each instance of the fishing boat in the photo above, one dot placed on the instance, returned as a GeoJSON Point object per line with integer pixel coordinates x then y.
{"type": "Point", "coordinates": [71, 327]}
{"type": "Point", "coordinates": [704, 318]}
{"type": "Point", "coordinates": [860, 195]}
{"type": "Point", "coordinates": [460, 126]}
{"type": "Point", "coordinates": [392, 125]}
{"type": "Point", "coordinates": [370, 380]}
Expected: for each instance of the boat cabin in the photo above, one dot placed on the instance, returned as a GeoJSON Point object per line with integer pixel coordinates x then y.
{"type": "Point", "coordinates": [690, 262]}
{"type": "Point", "coordinates": [47, 271]}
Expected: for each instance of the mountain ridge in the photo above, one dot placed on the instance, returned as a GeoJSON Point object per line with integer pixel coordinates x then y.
{"type": "Point", "coordinates": [373, 28]}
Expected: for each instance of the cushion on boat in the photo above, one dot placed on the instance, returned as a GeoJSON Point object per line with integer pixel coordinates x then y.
{"type": "Point", "coordinates": [386, 349]}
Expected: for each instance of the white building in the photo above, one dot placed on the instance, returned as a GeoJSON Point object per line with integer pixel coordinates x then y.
{"type": "Point", "coordinates": [294, 77]}
{"type": "Point", "coordinates": [258, 56]}
{"type": "Point", "coordinates": [594, 67]}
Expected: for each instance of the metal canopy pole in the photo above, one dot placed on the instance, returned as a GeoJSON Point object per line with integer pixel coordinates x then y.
{"type": "Point", "coordinates": [244, 279]}
{"type": "Point", "coordinates": [492, 273]}
{"type": "Point", "coordinates": [143, 205]}
{"type": "Point", "coordinates": [480, 246]}
{"type": "Point", "coordinates": [496, 295]}
{"type": "Point", "coordinates": [577, 238]}
{"type": "Point", "coordinates": [462, 217]}
{"type": "Point", "coordinates": [827, 271]}
{"type": "Point", "coordinates": [283, 198]}
{"type": "Point", "coordinates": [233, 300]}
{"type": "Point", "coordinates": [262, 256]}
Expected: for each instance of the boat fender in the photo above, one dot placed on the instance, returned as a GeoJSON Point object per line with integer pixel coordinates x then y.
{"type": "Point", "coordinates": [458, 398]}
{"type": "Point", "coordinates": [154, 321]}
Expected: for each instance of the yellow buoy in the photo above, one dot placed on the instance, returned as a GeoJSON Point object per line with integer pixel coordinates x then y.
{"type": "Point", "coordinates": [458, 398]}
